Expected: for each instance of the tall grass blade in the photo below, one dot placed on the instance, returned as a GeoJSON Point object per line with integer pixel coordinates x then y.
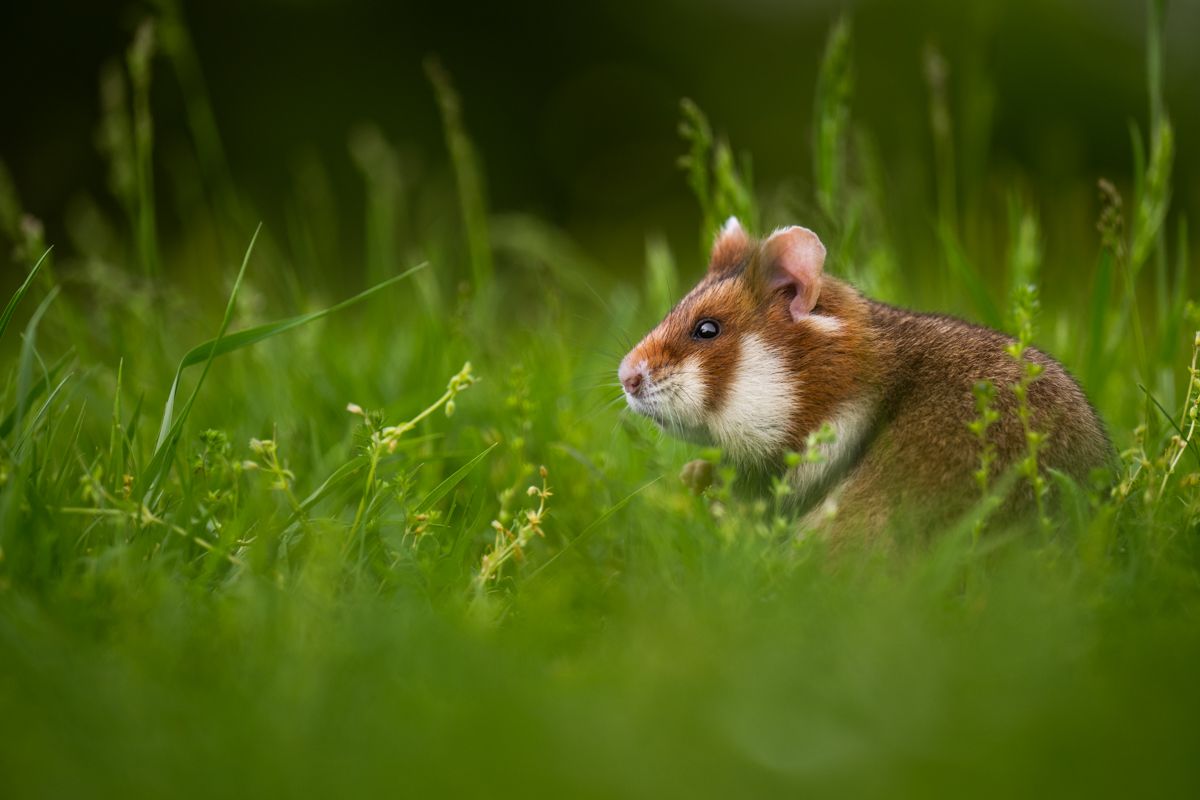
{"type": "Point", "coordinates": [139, 59]}
{"type": "Point", "coordinates": [440, 491]}
{"type": "Point", "coordinates": [13, 490]}
{"type": "Point", "coordinates": [28, 356]}
{"type": "Point", "coordinates": [472, 191]}
{"type": "Point", "coordinates": [835, 85]}
{"type": "Point", "coordinates": [33, 393]}
{"type": "Point", "coordinates": [39, 415]}
{"type": "Point", "coordinates": [249, 336]}
{"type": "Point", "coordinates": [11, 308]}
{"type": "Point", "coordinates": [171, 427]}
{"type": "Point", "coordinates": [115, 435]}
{"type": "Point", "coordinates": [723, 187]}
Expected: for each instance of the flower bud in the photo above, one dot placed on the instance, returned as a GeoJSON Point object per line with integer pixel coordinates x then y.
{"type": "Point", "coordinates": [697, 475]}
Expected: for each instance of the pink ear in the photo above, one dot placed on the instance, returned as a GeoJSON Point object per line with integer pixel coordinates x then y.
{"type": "Point", "coordinates": [730, 246]}
{"type": "Point", "coordinates": [795, 257]}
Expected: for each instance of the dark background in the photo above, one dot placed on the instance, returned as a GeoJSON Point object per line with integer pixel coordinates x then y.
{"type": "Point", "coordinates": [574, 106]}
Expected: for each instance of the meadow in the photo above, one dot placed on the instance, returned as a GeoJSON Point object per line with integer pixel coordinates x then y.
{"type": "Point", "coordinates": [267, 533]}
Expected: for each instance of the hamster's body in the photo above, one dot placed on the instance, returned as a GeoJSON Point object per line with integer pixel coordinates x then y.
{"type": "Point", "coordinates": [767, 349]}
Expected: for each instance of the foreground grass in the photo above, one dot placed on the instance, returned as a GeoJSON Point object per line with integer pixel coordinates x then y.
{"type": "Point", "coordinates": [248, 579]}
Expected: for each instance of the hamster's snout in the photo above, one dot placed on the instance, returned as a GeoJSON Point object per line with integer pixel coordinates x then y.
{"type": "Point", "coordinates": [631, 378]}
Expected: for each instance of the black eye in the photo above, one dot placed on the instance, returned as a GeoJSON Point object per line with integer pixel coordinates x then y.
{"type": "Point", "coordinates": [706, 329]}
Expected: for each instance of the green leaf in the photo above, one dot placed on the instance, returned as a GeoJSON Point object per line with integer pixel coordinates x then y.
{"type": "Point", "coordinates": [172, 427]}
{"type": "Point", "coordinates": [236, 341]}
{"type": "Point", "coordinates": [453, 480]}
{"type": "Point", "coordinates": [11, 308]}
{"type": "Point", "coordinates": [28, 354]}
{"type": "Point", "coordinates": [33, 394]}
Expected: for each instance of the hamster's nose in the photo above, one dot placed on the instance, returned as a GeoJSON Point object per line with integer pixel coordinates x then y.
{"type": "Point", "coordinates": [631, 378]}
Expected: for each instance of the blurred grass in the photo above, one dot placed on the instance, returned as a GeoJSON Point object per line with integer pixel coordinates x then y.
{"type": "Point", "coordinates": [304, 604]}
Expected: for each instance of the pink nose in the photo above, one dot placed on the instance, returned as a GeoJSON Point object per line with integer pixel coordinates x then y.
{"type": "Point", "coordinates": [631, 378]}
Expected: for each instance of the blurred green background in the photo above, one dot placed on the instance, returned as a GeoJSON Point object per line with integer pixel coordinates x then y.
{"type": "Point", "coordinates": [574, 107]}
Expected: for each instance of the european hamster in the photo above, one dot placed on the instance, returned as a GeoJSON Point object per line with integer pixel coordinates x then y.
{"type": "Point", "coordinates": [767, 348]}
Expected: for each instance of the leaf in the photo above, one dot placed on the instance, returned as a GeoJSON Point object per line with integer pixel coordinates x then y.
{"type": "Point", "coordinates": [236, 341]}
{"type": "Point", "coordinates": [41, 412]}
{"type": "Point", "coordinates": [33, 394]}
{"type": "Point", "coordinates": [341, 475]}
{"type": "Point", "coordinates": [28, 353]}
{"type": "Point", "coordinates": [11, 308]}
{"type": "Point", "coordinates": [453, 480]}
{"type": "Point", "coordinates": [171, 428]}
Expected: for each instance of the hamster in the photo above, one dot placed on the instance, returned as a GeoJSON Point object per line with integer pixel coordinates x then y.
{"type": "Point", "coordinates": [767, 348]}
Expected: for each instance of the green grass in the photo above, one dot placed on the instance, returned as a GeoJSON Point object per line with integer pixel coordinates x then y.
{"type": "Point", "coordinates": [258, 540]}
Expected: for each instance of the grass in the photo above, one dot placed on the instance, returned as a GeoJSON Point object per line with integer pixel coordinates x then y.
{"type": "Point", "coordinates": [275, 587]}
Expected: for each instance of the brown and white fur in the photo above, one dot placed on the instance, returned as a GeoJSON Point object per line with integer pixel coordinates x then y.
{"type": "Point", "coordinates": [797, 348]}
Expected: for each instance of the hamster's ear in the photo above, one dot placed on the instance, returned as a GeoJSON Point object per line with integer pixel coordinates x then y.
{"type": "Point", "coordinates": [731, 247]}
{"type": "Point", "coordinates": [795, 257]}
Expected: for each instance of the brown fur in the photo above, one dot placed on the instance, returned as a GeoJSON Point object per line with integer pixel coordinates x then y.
{"type": "Point", "coordinates": [919, 456]}
{"type": "Point", "coordinates": [923, 456]}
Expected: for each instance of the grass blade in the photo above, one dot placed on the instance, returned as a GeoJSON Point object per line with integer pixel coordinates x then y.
{"type": "Point", "coordinates": [169, 431]}
{"type": "Point", "coordinates": [13, 491]}
{"type": "Point", "coordinates": [35, 391]}
{"type": "Point", "coordinates": [236, 341]}
{"type": "Point", "coordinates": [453, 480]}
{"type": "Point", "coordinates": [468, 174]}
{"type": "Point", "coordinates": [28, 353]}
{"type": "Point", "coordinates": [1192, 447]}
{"type": "Point", "coordinates": [11, 308]}
{"type": "Point", "coordinates": [41, 412]}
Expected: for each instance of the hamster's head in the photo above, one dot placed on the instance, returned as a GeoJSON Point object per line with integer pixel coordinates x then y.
{"type": "Point", "coordinates": [750, 359]}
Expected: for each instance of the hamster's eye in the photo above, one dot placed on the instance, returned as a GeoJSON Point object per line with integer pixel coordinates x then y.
{"type": "Point", "coordinates": [706, 329]}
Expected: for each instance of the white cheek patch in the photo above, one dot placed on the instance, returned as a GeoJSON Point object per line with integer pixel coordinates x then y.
{"type": "Point", "coordinates": [752, 422]}
{"type": "Point", "coordinates": [851, 425]}
{"type": "Point", "coordinates": [687, 392]}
